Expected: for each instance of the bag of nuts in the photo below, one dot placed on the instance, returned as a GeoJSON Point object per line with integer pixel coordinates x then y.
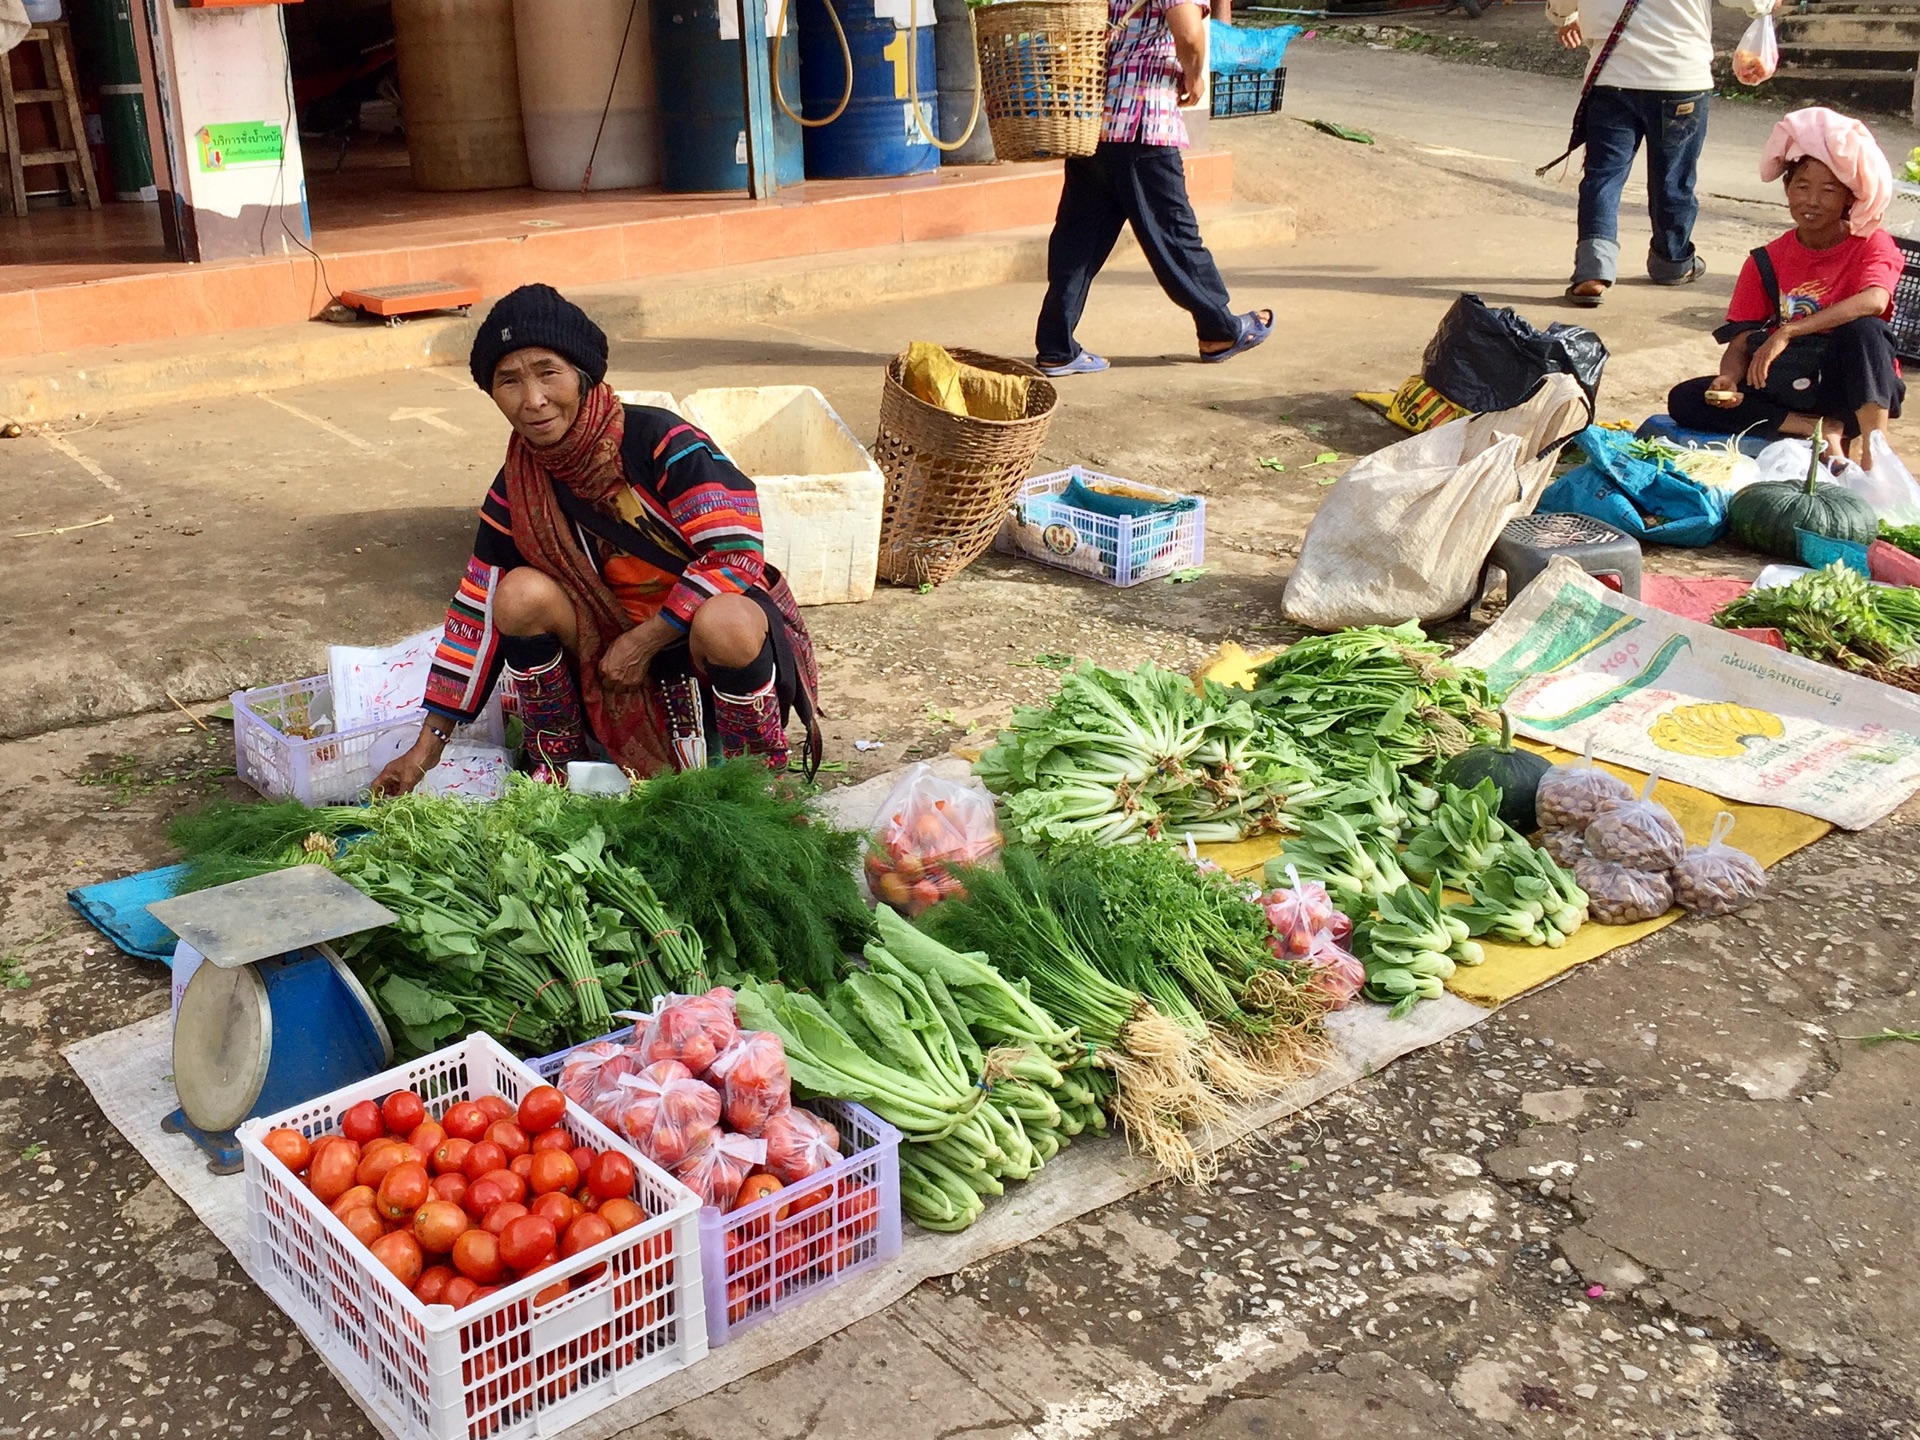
{"type": "Point", "coordinates": [1639, 834]}
{"type": "Point", "coordinates": [1565, 846]}
{"type": "Point", "coordinates": [1569, 796]}
{"type": "Point", "coordinates": [1716, 879]}
{"type": "Point", "coordinates": [1619, 895]}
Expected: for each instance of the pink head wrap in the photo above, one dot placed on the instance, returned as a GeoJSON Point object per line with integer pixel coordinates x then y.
{"type": "Point", "coordinates": [1844, 146]}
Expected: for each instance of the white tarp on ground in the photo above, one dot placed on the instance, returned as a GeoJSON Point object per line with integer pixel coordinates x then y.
{"type": "Point", "coordinates": [128, 1072]}
{"type": "Point", "coordinates": [1694, 704]}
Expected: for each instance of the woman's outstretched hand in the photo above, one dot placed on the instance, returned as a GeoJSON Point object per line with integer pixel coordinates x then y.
{"type": "Point", "coordinates": [405, 771]}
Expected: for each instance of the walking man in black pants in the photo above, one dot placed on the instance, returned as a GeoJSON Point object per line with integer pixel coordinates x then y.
{"type": "Point", "coordinates": [1155, 51]}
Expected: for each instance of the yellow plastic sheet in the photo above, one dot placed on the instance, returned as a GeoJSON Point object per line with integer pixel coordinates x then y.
{"type": "Point", "coordinates": [1767, 833]}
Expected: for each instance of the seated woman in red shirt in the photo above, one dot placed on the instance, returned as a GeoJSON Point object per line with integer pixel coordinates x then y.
{"type": "Point", "coordinates": [1806, 334]}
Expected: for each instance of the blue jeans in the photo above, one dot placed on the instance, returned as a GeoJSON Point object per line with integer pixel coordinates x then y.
{"type": "Point", "coordinates": [1675, 128]}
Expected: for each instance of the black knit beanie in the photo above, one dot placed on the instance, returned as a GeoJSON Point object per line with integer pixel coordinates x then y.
{"type": "Point", "coordinates": [537, 315]}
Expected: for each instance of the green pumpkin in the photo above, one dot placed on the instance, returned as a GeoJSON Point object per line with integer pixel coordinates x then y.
{"type": "Point", "coordinates": [1763, 517]}
{"type": "Point", "coordinates": [1514, 773]}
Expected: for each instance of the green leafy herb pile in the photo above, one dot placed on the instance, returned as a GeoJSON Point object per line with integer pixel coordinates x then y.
{"type": "Point", "coordinates": [1841, 618]}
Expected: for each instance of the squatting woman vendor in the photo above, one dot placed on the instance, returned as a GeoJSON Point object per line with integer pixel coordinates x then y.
{"type": "Point", "coordinates": [617, 576]}
{"type": "Point", "coordinates": [1807, 335]}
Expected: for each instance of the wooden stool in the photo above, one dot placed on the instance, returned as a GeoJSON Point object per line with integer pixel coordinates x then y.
{"type": "Point", "coordinates": [62, 98]}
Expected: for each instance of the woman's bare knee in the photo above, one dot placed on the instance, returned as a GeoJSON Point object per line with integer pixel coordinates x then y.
{"type": "Point", "coordinates": [728, 631]}
{"type": "Point", "coordinates": [525, 602]}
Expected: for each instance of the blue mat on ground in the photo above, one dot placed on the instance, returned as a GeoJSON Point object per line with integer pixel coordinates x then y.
{"type": "Point", "coordinates": [118, 910]}
{"type": "Point", "coordinates": [1661, 427]}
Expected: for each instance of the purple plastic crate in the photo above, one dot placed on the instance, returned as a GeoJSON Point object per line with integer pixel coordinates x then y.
{"type": "Point", "coordinates": [783, 1250]}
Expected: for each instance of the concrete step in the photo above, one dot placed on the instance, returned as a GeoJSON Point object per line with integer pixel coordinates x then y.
{"type": "Point", "coordinates": [1855, 32]}
{"type": "Point", "coordinates": [120, 377]}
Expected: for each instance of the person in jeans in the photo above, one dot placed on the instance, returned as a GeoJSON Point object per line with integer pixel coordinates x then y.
{"type": "Point", "coordinates": [1653, 87]}
{"type": "Point", "coordinates": [1155, 63]}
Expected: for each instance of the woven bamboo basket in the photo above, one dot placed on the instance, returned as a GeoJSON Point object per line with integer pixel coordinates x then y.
{"type": "Point", "coordinates": [950, 478]}
{"type": "Point", "coordinates": [1043, 76]}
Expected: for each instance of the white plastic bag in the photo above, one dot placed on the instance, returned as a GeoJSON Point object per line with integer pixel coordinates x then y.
{"type": "Point", "coordinates": [1757, 55]}
{"type": "Point", "coordinates": [927, 827]}
{"type": "Point", "coordinates": [1889, 487]}
{"type": "Point", "coordinates": [1406, 531]}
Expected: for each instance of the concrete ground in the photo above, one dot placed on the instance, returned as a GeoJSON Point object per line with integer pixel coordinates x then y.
{"type": "Point", "coordinates": [1666, 1197]}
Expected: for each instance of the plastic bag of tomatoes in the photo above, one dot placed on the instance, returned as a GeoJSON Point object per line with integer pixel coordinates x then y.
{"type": "Point", "coordinates": [926, 828]}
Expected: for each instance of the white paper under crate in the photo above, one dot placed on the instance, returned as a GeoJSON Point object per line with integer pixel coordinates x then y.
{"type": "Point", "coordinates": [1119, 549]}
{"type": "Point", "coordinates": [821, 495]}
{"type": "Point", "coordinates": [500, 1368]}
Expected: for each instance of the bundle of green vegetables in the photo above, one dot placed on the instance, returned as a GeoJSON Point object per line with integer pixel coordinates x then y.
{"type": "Point", "coordinates": [982, 1083]}
{"type": "Point", "coordinates": [1901, 537]}
{"type": "Point", "coordinates": [1841, 618]}
{"type": "Point", "coordinates": [1122, 757]}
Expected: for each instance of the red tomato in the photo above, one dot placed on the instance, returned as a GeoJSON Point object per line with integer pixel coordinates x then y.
{"type": "Point", "coordinates": [483, 1157]}
{"type": "Point", "coordinates": [526, 1241]}
{"type": "Point", "coordinates": [364, 1224]}
{"type": "Point", "coordinates": [289, 1147]}
{"type": "Point", "coordinates": [400, 1253]}
{"type": "Point", "coordinates": [451, 1187]}
{"type": "Point", "coordinates": [496, 1108]}
{"type": "Point", "coordinates": [465, 1120]}
{"type": "Point", "coordinates": [514, 1185]}
{"type": "Point", "coordinates": [330, 1172]}
{"type": "Point", "coordinates": [562, 1209]}
{"type": "Point", "coordinates": [584, 1233]}
{"type": "Point", "coordinates": [541, 1109]}
{"type": "Point", "coordinates": [583, 1158]}
{"type": "Point", "coordinates": [426, 1138]}
{"type": "Point", "coordinates": [481, 1198]}
{"type": "Point", "coordinates": [459, 1291]}
{"type": "Point", "coordinates": [503, 1215]}
{"type": "Point", "coordinates": [621, 1213]}
{"type": "Point", "coordinates": [451, 1156]}
{"type": "Point", "coordinates": [402, 1111]}
{"type": "Point", "coordinates": [354, 1198]}
{"type": "Point", "coordinates": [521, 1165]}
{"type": "Point", "coordinates": [509, 1137]}
{"type": "Point", "coordinates": [547, 1296]}
{"type": "Point", "coordinates": [476, 1255]}
{"type": "Point", "coordinates": [755, 1187]}
{"type": "Point", "coordinates": [404, 1190]}
{"type": "Point", "coordinates": [363, 1123]}
{"type": "Point", "coordinates": [552, 1257]}
{"type": "Point", "coordinates": [437, 1224]}
{"type": "Point", "coordinates": [431, 1288]}
{"type": "Point", "coordinates": [610, 1174]}
{"type": "Point", "coordinates": [554, 1139]}
{"type": "Point", "coordinates": [380, 1157]}
{"type": "Point", "coordinates": [552, 1170]}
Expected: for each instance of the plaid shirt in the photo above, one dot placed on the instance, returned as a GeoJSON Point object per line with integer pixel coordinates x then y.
{"type": "Point", "coordinates": [1143, 75]}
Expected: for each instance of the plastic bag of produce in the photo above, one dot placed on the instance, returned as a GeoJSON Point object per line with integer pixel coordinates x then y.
{"type": "Point", "coordinates": [1302, 915]}
{"type": "Point", "coordinates": [799, 1144]}
{"type": "Point", "coordinates": [1715, 878]}
{"type": "Point", "coordinates": [1571, 795]}
{"type": "Point", "coordinates": [752, 1075]}
{"type": "Point", "coordinates": [1620, 895]}
{"type": "Point", "coordinates": [927, 826]}
{"type": "Point", "coordinates": [1565, 846]}
{"type": "Point", "coordinates": [667, 1110]}
{"type": "Point", "coordinates": [1757, 55]}
{"type": "Point", "coordinates": [1640, 834]}
{"type": "Point", "coordinates": [590, 1075]}
{"type": "Point", "coordinates": [1337, 972]}
{"type": "Point", "coordinates": [692, 1029]}
{"type": "Point", "coordinates": [716, 1165]}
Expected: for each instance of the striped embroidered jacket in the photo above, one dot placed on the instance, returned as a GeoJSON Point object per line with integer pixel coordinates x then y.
{"type": "Point", "coordinates": [683, 493]}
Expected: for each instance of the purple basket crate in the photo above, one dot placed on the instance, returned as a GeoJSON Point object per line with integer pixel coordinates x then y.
{"type": "Point", "coordinates": [785, 1249]}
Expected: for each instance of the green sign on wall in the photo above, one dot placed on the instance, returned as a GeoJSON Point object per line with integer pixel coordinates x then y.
{"type": "Point", "coordinates": [246, 142]}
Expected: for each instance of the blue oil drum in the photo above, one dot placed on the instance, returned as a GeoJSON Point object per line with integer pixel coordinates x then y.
{"type": "Point", "coordinates": [703, 99]}
{"type": "Point", "coordinates": [877, 134]}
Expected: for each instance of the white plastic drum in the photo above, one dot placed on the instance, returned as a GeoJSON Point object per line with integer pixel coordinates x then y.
{"type": "Point", "coordinates": [566, 51]}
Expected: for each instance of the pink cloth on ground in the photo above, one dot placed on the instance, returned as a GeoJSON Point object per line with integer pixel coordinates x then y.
{"type": "Point", "coordinates": [1844, 146]}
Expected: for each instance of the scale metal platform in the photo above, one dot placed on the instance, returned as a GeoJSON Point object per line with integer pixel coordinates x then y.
{"type": "Point", "coordinates": [394, 303]}
{"type": "Point", "coordinates": [271, 1016]}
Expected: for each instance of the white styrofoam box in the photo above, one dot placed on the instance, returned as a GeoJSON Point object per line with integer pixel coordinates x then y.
{"type": "Point", "coordinates": [43, 12]}
{"type": "Point", "coordinates": [658, 399]}
{"type": "Point", "coordinates": [820, 492]}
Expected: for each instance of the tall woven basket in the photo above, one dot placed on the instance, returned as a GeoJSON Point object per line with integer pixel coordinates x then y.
{"type": "Point", "coordinates": [950, 478]}
{"type": "Point", "coordinates": [1043, 75]}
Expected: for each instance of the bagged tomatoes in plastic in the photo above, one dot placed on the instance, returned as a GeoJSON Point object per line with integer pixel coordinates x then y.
{"type": "Point", "coordinates": [667, 1110]}
{"type": "Point", "coordinates": [753, 1079]}
{"type": "Point", "coordinates": [1336, 972]}
{"type": "Point", "coordinates": [692, 1029]}
{"type": "Point", "coordinates": [928, 826]}
{"type": "Point", "coordinates": [590, 1076]}
{"type": "Point", "coordinates": [717, 1164]}
{"type": "Point", "coordinates": [799, 1144]}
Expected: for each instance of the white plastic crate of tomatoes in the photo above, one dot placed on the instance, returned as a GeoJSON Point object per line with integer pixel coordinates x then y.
{"type": "Point", "coordinates": [769, 1254]}
{"type": "Point", "coordinates": [527, 1357]}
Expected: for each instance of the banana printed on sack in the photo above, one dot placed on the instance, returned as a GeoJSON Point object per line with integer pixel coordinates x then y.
{"type": "Point", "coordinates": [1713, 732]}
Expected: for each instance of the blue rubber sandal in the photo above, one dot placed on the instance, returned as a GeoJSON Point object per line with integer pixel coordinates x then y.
{"type": "Point", "coordinates": [1085, 363]}
{"type": "Point", "coordinates": [1252, 331]}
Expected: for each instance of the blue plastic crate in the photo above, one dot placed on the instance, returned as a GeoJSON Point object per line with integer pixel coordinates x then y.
{"type": "Point", "coordinates": [1119, 549]}
{"type": "Point", "coordinates": [1253, 92]}
{"type": "Point", "coordinates": [1819, 551]}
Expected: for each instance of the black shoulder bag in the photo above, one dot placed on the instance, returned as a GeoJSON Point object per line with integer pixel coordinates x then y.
{"type": "Point", "coordinates": [1793, 380]}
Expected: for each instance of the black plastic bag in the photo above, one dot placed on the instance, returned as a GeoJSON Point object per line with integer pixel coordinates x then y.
{"type": "Point", "coordinates": [1484, 359]}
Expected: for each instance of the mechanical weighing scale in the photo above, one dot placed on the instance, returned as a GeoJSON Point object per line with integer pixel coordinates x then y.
{"type": "Point", "coordinates": [271, 1017]}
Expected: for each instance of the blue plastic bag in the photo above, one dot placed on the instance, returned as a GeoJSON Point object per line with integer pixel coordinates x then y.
{"type": "Point", "coordinates": [1647, 499]}
{"type": "Point", "coordinates": [1247, 49]}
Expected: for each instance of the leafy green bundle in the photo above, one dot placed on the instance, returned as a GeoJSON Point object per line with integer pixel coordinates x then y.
{"type": "Point", "coordinates": [1839, 617]}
